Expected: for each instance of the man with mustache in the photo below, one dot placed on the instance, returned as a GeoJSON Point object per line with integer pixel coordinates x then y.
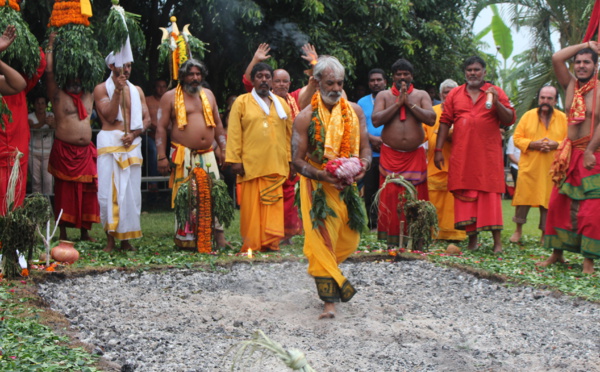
{"type": "Point", "coordinates": [476, 111]}
{"type": "Point", "coordinates": [377, 84]}
{"type": "Point", "coordinates": [73, 156]}
{"type": "Point", "coordinates": [196, 125]}
{"type": "Point", "coordinates": [538, 134]}
{"type": "Point", "coordinates": [122, 110]}
{"type": "Point", "coordinates": [329, 129]}
{"type": "Point", "coordinates": [572, 223]}
{"type": "Point", "coordinates": [401, 111]}
{"type": "Point", "coordinates": [259, 132]}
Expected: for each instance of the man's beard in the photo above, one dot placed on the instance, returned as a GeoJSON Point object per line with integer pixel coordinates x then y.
{"type": "Point", "coordinates": [189, 88]}
{"type": "Point", "coordinates": [550, 108]}
{"type": "Point", "coordinates": [399, 83]}
{"type": "Point", "coordinates": [331, 98]}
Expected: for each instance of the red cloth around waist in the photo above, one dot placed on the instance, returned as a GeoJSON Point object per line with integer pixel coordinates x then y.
{"type": "Point", "coordinates": [73, 163]}
{"type": "Point", "coordinates": [410, 165]}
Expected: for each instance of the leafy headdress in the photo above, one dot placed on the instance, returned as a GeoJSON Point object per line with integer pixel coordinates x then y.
{"type": "Point", "coordinates": [76, 54]}
{"type": "Point", "coordinates": [122, 30]}
{"type": "Point", "coordinates": [177, 47]}
{"type": "Point", "coordinates": [23, 54]}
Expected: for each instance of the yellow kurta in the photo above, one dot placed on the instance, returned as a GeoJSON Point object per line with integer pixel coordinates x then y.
{"type": "Point", "coordinates": [262, 143]}
{"type": "Point", "coordinates": [534, 182]}
{"type": "Point", "coordinates": [437, 183]}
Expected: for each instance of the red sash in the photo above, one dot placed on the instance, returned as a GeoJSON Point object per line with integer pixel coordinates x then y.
{"type": "Point", "coordinates": [396, 92]}
{"type": "Point", "coordinates": [79, 104]}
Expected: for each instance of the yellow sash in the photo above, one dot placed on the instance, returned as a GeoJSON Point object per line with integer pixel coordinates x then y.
{"type": "Point", "coordinates": [334, 128]}
{"type": "Point", "coordinates": [181, 113]}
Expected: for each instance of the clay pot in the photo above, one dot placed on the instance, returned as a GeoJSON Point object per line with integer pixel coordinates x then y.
{"type": "Point", "coordinates": [65, 252]}
{"type": "Point", "coordinates": [453, 249]}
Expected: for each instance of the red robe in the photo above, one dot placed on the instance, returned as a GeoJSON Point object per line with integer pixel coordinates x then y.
{"type": "Point", "coordinates": [16, 136]}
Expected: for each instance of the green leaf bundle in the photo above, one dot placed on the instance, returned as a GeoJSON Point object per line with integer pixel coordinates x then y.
{"type": "Point", "coordinates": [222, 204]}
{"type": "Point", "coordinates": [320, 210]}
{"type": "Point", "coordinates": [23, 54]}
{"type": "Point", "coordinates": [182, 204]}
{"type": "Point", "coordinates": [116, 32]}
{"type": "Point", "coordinates": [357, 213]}
{"type": "Point", "coordinates": [76, 56]}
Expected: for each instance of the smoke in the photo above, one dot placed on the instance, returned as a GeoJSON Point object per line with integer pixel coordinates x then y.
{"type": "Point", "coordinates": [284, 32]}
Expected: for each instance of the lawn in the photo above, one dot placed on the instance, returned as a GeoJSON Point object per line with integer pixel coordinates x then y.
{"type": "Point", "coordinates": [27, 343]}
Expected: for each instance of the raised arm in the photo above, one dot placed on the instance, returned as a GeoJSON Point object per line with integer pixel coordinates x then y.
{"type": "Point", "coordinates": [11, 82]}
{"type": "Point", "coordinates": [51, 86]}
{"type": "Point", "coordinates": [261, 55]}
{"type": "Point", "coordinates": [560, 58]}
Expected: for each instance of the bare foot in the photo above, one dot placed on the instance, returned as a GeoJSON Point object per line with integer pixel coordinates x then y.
{"type": "Point", "coordinates": [515, 238]}
{"type": "Point", "coordinates": [126, 246]}
{"type": "Point", "coordinates": [498, 249]}
{"type": "Point", "coordinates": [472, 242]}
{"type": "Point", "coordinates": [328, 311]}
{"type": "Point", "coordinates": [542, 239]}
{"type": "Point", "coordinates": [556, 256]}
{"type": "Point", "coordinates": [110, 244]}
{"type": "Point", "coordinates": [85, 235]}
{"type": "Point", "coordinates": [588, 266]}
{"type": "Point", "coordinates": [221, 241]}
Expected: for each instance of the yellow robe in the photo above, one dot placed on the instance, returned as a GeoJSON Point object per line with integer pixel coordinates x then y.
{"type": "Point", "coordinates": [437, 183]}
{"type": "Point", "coordinates": [329, 245]}
{"type": "Point", "coordinates": [534, 182]}
{"type": "Point", "coordinates": [262, 143]}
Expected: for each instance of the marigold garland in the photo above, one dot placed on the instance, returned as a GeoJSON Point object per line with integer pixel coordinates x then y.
{"type": "Point", "coordinates": [203, 212]}
{"type": "Point", "coordinates": [65, 12]}
{"type": "Point", "coordinates": [318, 131]}
{"type": "Point", "coordinates": [12, 3]}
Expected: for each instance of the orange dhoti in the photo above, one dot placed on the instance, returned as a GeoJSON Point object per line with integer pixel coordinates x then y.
{"type": "Point", "coordinates": [261, 213]}
{"type": "Point", "coordinates": [328, 245]}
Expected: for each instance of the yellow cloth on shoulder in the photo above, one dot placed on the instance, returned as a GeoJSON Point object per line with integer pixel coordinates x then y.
{"type": "Point", "coordinates": [86, 8]}
{"type": "Point", "coordinates": [334, 130]}
{"type": "Point", "coordinates": [180, 111]}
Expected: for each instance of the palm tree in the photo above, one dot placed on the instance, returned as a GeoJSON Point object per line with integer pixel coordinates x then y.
{"type": "Point", "coordinates": [568, 18]}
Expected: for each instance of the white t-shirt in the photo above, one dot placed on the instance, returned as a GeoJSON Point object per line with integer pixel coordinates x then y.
{"type": "Point", "coordinates": [41, 139]}
{"type": "Point", "coordinates": [511, 149]}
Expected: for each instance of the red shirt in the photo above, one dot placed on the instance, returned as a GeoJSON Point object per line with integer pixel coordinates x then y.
{"type": "Point", "coordinates": [16, 136]}
{"type": "Point", "coordinates": [476, 162]}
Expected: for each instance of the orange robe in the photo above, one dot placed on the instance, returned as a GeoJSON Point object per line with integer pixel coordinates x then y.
{"type": "Point", "coordinates": [534, 183]}
{"type": "Point", "coordinates": [262, 144]}
{"type": "Point", "coordinates": [437, 183]}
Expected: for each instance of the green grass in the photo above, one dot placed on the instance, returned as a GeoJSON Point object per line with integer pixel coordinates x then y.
{"type": "Point", "coordinates": [27, 345]}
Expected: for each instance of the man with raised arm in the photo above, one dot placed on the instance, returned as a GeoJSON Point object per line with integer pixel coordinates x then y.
{"type": "Point", "coordinates": [573, 222]}
{"type": "Point", "coordinates": [259, 152]}
{"type": "Point", "coordinates": [124, 116]}
{"type": "Point", "coordinates": [401, 110]}
{"type": "Point", "coordinates": [14, 127]}
{"type": "Point", "coordinates": [196, 125]}
{"type": "Point", "coordinates": [538, 134]}
{"type": "Point", "coordinates": [476, 111]}
{"type": "Point", "coordinates": [73, 156]}
{"type": "Point", "coordinates": [329, 129]}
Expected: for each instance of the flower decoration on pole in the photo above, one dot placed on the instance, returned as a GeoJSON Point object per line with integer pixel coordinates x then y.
{"type": "Point", "coordinates": [178, 47]}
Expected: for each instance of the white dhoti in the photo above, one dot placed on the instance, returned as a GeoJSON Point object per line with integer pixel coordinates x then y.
{"type": "Point", "coordinates": [119, 184]}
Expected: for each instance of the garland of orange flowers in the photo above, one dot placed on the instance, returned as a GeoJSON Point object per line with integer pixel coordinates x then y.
{"type": "Point", "coordinates": [203, 212]}
{"type": "Point", "coordinates": [318, 131]}
{"type": "Point", "coordinates": [12, 3]}
{"type": "Point", "coordinates": [65, 12]}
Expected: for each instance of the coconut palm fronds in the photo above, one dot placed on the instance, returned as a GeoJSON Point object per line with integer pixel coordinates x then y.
{"type": "Point", "coordinates": [292, 358]}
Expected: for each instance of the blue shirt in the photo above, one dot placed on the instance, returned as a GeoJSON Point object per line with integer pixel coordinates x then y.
{"type": "Point", "coordinates": [367, 103]}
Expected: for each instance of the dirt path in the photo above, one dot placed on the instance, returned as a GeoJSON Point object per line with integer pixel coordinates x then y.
{"type": "Point", "coordinates": [407, 316]}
